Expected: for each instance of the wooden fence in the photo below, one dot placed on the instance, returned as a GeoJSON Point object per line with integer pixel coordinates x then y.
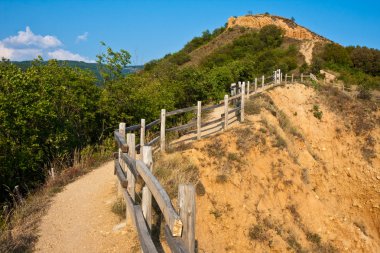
{"type": "Point", "coordinates": [130, 171]}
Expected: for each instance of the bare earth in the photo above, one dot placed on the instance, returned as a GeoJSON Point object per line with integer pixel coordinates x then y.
{"type": "Point", "coordinates": [318, 193]}
{"type": "Point", "coordinates": [80, 218]}
{"type": "Point", "coordinates": [307, 50]}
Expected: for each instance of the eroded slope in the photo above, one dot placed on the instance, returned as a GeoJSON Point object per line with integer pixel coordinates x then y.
{"type": "Point", "coordinates": [289, 181]}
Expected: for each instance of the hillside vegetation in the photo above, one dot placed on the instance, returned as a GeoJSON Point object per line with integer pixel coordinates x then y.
{"type": "Point", "coordinates": [93, 67]}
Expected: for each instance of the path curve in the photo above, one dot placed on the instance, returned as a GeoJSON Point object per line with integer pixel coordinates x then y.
{"type": "Point", "coordinates": [80, 218]}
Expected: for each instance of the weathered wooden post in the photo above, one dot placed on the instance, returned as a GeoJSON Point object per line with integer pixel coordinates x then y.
{"type": "Point", "coordinates": [292, 78]}
{"type": "Point", "coordinates": [142, 135]}
{"type": "Point", "coordinates": [233, 85]}
{"type": "Point", "coordinates": [186, 199]}
{"type": "Point", "coordinates": [131, 142]}
{"type": "Point", "coordinates": [301, 77]}
{"type": "Point", "coordinates": [146, 201]}
{"type": "Point", "coordinates": [16, 191]}
{"type": "Point", "coordinates": [242, 103]}
{"type": "Point", "coordinates": [52, 174]}
{"type": "Point", "coordinates": [262, 81]}
{"type": "Point", "coordinates": [281, 76]}
{"type": "Point", "coordinates": [239, 88]}
{"type": "Point", "coordinates": [199, 120]}
{"type": "Point", "coordinates": [121, 162]}
{"type": "Point", "coordinates": [225, 112]}
{"type": "Point", "coordinates": [255, 84]}
{"type": "Point", "coordinates": [248, 84]}
{"type": "Point", "coordinates": [162, 132]}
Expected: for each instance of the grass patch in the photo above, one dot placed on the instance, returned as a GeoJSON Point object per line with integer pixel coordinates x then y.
{"type": "Point", "coordinates": [119, 208]}
{"type": "Point", "coordinates": [217, 213]}
{"type": "Point", "coordinates": [216, 148]}
{"type": "Point", "coordinates": [305, 176]}
{"type": "Point", "coordinates": [221, 179]}
{"type": "Point", "coordinates": [233, 157]}
{"type": "Point", "coordinates": [313, 237]}
{"type": "Point", "coordinates": [368, 149]}
{"type": "Point", "coordinates": [294, 244]}
{"type": "Point", "coordinates": [258, 232]}
{"type": "Point", "coordinates": [174, 169]}
{"type": "Point", "coordinates": [317, 113]}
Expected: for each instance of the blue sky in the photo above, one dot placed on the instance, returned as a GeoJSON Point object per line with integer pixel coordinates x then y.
{"type": "Point", "coordinates": [151, 29]}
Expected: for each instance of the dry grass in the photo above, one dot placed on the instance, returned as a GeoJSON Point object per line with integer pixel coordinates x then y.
{"type": "Point", "coordinates": [119, 208]}
{"type": "Point", "coordinates": [174, 169]}
{"type": "Point", "coordinates": [263, 101]}
{"type": "Point", "coordinates": [258, 232]}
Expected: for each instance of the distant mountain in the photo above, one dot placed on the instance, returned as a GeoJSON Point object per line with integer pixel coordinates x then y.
{"type": "Point", "coordinates": [83, 65]}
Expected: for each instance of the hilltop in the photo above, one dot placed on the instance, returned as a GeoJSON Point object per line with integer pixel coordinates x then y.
{"type": "Point", "coordinates": [290, 27]}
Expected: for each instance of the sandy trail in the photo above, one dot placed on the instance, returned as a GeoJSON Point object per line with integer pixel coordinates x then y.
{"type": "Point", "coordinates": [307, 50]}
{"type": "Point", "coordinates": [80, 218]}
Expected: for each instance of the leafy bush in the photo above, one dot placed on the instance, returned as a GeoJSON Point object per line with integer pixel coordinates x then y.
{"type": "Point", "coordinates": [316, 112]}
{"type": "Point", "coordinates": [45, 112]}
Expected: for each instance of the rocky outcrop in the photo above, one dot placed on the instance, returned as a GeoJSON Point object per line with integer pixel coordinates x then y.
{"type": "Point", "coordinates": [292, 30]}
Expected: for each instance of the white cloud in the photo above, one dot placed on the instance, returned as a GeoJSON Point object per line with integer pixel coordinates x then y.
{"type": "Point", "coordinates": [27, 46]}
{"type": "Point", "coordinates": [19, 53]}
{"type": "Point", "coordinates": [28, 39]}
{"type": "Point", "coordinates": [82, 37]}
{"type": "Point", "coordinates": [61, 54]}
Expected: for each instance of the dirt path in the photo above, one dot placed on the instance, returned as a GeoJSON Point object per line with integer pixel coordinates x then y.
{"type": "Point", "coordinates": [80, 218]}
{"type": "Point", "coordinates": [307, 50]}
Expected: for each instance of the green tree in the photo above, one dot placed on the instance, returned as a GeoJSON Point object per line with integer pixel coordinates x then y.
{"type": "Point", "coordinates": [111, 63]}
{"type": "Point", "coordinates": [271, 35]}
{"type": "Point", "coordinates": [45, 112]}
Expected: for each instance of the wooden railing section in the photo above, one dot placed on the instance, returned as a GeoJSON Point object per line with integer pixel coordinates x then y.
{"type": "Point", "coordinates": [179, 226]}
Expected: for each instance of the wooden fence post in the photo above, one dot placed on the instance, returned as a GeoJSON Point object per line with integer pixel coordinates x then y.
{"type": "Point", "coordinates": [239, 87]}
{"type": "Point", "coordinates": [255, 84]}
{"type": "Point", "coordinates": [121, 162]}
{"type": "Point", "coordinates": [248, 84]}
{"type": "Point", "coordinates": [262, 81]}
{"type": "Point", "coordinates": [242, 103]}
{"type": "Point", "coordinates": [225, 112]}
{"type": "Point", "coordinates": [142, 135]}
{"type": "Point", "coordinates": [19, 198]}
{"type": "Point", "coordinates": [292, 78]}
{"type": "Point", "coordinates": [199, 120]}
{"type": "Point", "coordinates": [52, 174]}
{"type": "Point", "coordinates": [186, 199]}
{"type": "Point", "coordinates": [131, 142]}
{"type": "Point", "coordinates": [281, 76]}
{"type": "Point", "coordinates": [162, 135]}
{"type": "Point", "coordinates": [146, 201]}
{"type": "Point", "coordinates": [286, 78]}
{"type": "Point", "coordinates": [302, 78]}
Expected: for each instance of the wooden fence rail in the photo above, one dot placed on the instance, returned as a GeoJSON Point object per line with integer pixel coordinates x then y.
{"type": "Point", "coordinates": [179, 227]}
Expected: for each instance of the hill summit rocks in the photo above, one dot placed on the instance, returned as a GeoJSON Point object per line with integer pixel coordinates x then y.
{"type": "Point", "coordinates": [292, 30]}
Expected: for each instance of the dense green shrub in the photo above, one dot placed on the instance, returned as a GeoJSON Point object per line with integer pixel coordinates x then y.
{"type": "Point", "coordinates": [45, 111]}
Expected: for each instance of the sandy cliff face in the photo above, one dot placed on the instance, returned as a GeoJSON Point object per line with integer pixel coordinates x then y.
{"type": "Point", "coordinates": [291, 29]}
